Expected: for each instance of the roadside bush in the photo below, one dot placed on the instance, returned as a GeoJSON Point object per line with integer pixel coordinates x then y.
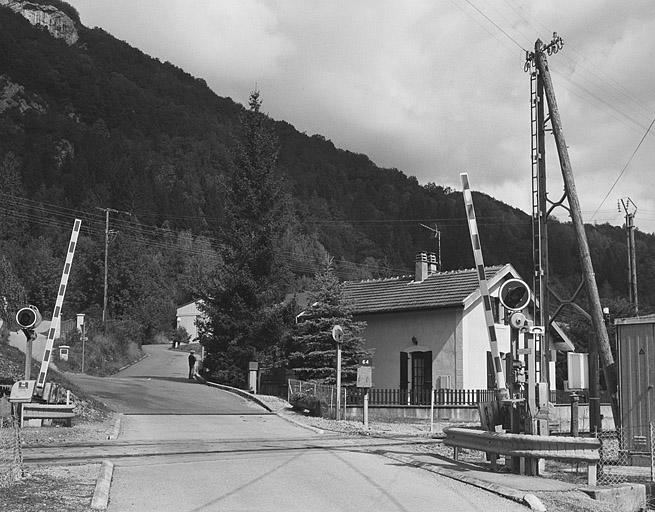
{"type": "Point", "coordinates": [306, 402]}
{"type": "Point", "coordinates": [104, 354]}
{"type": "Point", "coordinates": [180, 336]}
{"type": "Point", "coordinates": [4, 335]}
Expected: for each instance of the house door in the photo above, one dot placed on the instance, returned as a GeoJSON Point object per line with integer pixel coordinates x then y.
{"type": "Point", "coordinates": [416, 376]}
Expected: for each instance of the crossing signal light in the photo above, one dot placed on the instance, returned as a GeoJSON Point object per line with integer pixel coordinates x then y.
{"type": "Point", "coordinates": [28, 317]}
{"type": "Point", "coordinates": [514, 294]}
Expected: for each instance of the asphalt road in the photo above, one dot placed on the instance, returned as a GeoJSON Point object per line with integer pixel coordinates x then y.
{"type": "Point", "coordinates": [159, 384]}
{"type": "Point", "coordinates": [187, 447]}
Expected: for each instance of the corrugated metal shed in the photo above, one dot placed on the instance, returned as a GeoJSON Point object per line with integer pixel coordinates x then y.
{"type": "Point", "coordinates": [636, 362]}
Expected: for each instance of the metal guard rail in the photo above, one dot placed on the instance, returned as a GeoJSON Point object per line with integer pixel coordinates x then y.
{"type": "Point", "coordinates": [530, 446]}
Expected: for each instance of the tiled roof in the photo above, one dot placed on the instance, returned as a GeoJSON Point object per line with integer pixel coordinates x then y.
{"type": "Point", "coordinates": [439, 290]}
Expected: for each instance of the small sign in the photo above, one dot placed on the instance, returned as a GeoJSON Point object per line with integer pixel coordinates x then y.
{"type": "Point", "coordinates": [364, 377]}
{"type": "Point", "coordinates": [337, 333]}
{"type": "Point", "coordinates": [22, 391]}
{"type": "Point", "coordinates": [253, 366]}
{"type": "Point", "coordinates": [523, 351]}
{"type": "Point", "coordinates": [365, 361]}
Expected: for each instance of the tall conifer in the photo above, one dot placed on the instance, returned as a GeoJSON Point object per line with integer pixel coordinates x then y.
{"type": "Point", "coordinates": [257, 214]}
{"type": "Point", "coordinates": [313, 355]}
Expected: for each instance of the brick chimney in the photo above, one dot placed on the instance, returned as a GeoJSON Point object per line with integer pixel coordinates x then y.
{"type": "Point", "coordinates": [432, 263]}
{"type": "Point", "coordinates": [421, 266]}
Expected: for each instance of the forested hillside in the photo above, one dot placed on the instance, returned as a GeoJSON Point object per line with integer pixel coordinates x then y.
{"type": "Point", "coordinates": [99, 124]}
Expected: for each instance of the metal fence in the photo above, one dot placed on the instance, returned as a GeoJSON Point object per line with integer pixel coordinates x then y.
{"type": "Point", "coordinates": [627, 455]}
{"type": "Point", "coordinates": [389, 396]}
{"type": "Point", "coordinates": [326, 394]}
{"type": "Point", "coordinates": [11, 456]}
{"type": "Point", "coordinates": [420, 396]}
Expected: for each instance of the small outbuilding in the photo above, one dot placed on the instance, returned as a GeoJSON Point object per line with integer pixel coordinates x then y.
{"type": "Point", "coordinates": [635, 343]}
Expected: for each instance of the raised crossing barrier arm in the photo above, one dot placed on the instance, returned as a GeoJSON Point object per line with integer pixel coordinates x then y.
{"type": "Point", "coordinates": [576, 449]}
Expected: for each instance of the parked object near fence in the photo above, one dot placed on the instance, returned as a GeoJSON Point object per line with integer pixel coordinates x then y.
{"type": "Point", "coordinates": [575, 449]}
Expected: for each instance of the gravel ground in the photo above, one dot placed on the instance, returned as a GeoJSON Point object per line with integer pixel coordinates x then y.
{"type": "Point", "coordinates": [48, 488]}
{"type": "Point", "coordinates": [81, 431]}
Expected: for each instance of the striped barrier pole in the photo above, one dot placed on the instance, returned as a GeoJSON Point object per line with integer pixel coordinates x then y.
{"type": "Point", "coordinates": [56, 315]}
{"type": "Point", "coordinates": [501, 386]}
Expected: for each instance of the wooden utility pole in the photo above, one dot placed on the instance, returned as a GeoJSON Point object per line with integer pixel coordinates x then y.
{"type": "Point", "coordinates": [596, 313]}
{"type": "Point", "coordinates": [630, 209]}
{"type": "Point", "coordinates": [104, 299]}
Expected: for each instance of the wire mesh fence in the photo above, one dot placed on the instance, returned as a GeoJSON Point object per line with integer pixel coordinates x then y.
{"type": "Point", "coordinates": [11, 456]}
{"type": "Point", "coordinates": [325, 394]}
{"type": "Point", "coordinates": [627, 455]}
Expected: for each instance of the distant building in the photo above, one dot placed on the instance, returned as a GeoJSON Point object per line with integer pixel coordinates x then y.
{"type": "Point", "coordinates": [187, 317]}
{"type": "Point", "coordinates": [429, 329]}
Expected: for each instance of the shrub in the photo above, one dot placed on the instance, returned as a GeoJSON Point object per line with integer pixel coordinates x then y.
{"type": "Point", "coordinates": [180, 336]}
{"type": "Point", "coordinates": [304, 401]}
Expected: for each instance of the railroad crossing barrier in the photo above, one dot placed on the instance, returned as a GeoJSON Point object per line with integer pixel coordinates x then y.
{"type": "Point", "coordinates": [575, 449]}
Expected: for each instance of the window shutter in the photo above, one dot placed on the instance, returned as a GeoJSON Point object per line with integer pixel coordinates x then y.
{"type": "Point", "coordinates": [427, 365]}
{"type": "Point", "coordinates": [403, 370]}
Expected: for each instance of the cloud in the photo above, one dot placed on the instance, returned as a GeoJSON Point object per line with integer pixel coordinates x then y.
{"type": "Point", "coordinates": [431, 88]}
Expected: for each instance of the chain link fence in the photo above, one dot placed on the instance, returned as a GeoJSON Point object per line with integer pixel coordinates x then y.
{"type": "Point", "coordinates": [627, 455]}
{"type": "Point", "coordinates": [327, 395]}
{"type": "Point", "coordinates": [11, 456]}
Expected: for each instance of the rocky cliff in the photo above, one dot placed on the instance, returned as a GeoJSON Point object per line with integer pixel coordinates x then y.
{"type": "Point", "coordinates": [55, 21]}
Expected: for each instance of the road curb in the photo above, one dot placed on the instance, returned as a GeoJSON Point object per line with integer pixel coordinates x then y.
{"type": "Point", "coordinates": [116, 430]}
{"type": "Point", "coordinates": [236, 391]}
{"type": "Point", "coordinates": [100, 500]}
{"type": "Point", "coordinates": [527, 499]}
{"type": "Point", "coordinates": [300, 424]}
{"type": "Point", "coordinates": [132, 363]}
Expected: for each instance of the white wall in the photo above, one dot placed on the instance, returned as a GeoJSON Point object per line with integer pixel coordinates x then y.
{"type": "Point", "coordinates": [476, 345]}
{"type": "Point", "coordinates": [391, 333]}
{"type": "Point", "coordinates": [186, 317]}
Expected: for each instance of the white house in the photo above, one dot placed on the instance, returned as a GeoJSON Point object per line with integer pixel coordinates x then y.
{"type": "Point", "coordinates": [429, 329]}
{"type": "Point", "coordinates": [187, 316]}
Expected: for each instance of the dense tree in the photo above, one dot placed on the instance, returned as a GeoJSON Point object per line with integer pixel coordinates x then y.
{"type": "Point", "coordinates": [312, 350]}
{"type": "Point", "coordinates": [12, 293]}
{"type": "Point", "coordinates": [248, 282]}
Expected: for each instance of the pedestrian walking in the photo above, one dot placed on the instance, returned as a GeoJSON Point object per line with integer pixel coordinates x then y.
{"type": "Point", "coordinates": [192, 364]}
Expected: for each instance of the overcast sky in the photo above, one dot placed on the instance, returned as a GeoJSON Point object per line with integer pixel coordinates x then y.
{"type": "Point", "coordinates": [432, 87]}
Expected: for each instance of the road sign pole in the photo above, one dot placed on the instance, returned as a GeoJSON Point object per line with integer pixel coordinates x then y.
{"type": "Point", "coordinates": [338, 381]}
{"type": "Point", "coordinates": [366, 408]}
{"type": "Point", "coordinates": [337, 336]}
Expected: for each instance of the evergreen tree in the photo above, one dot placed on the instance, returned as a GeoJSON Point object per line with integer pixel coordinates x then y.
{"type": "Point", "coordinates": [251, 277]}
{"type": "Point", "coordinates": [12, 293]}
{"type": "Point", "coordinates": [313, 351]}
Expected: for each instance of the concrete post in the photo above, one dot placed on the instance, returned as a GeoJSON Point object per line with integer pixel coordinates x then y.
{"type": "Point", "coordinates": [574, 414]}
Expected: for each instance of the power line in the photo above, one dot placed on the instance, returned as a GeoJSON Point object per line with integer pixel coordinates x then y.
{"type": "Point", "coordinates": [504, 32]}
{"type": "Point", "coordinates": [624, 167]}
